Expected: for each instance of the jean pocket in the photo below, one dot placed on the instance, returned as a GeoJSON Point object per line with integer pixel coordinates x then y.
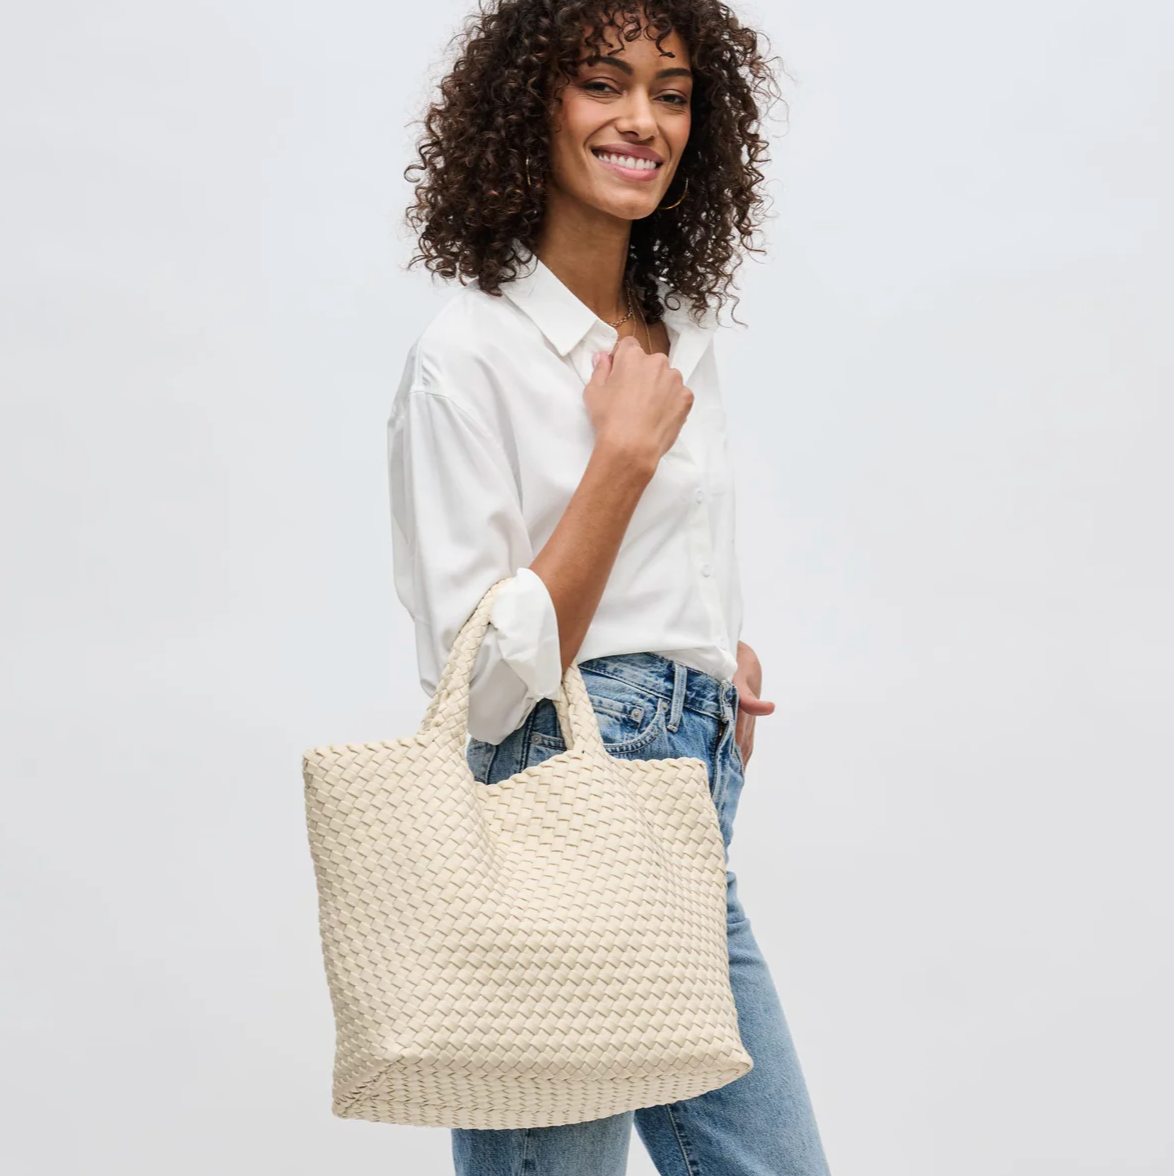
{"type": "Point", "coordinates": [631, 722]}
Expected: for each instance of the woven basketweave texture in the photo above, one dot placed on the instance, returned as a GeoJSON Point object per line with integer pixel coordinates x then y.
{"type": "Point", "coordinates": [544, 950]}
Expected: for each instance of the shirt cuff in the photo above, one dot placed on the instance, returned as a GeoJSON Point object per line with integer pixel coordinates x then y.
{"type": "Point", "coordinates": [527, 633]}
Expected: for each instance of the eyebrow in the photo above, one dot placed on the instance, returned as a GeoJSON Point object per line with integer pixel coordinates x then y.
{"type": "Point", "coordinates": [619, 63]}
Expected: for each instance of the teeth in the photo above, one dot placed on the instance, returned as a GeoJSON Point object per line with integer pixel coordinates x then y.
{"type": "Point", "coordinates": [628, 161]}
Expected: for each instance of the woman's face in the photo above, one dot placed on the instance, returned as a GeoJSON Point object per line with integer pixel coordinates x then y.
{"type": "Point", "coordinates": [630, 108]}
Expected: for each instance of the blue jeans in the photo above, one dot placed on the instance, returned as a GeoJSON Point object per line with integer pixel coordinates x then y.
{"type": "Point", "coordinates": [761, 1124]}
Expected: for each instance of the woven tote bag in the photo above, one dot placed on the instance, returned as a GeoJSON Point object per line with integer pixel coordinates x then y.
{"type": "Point", "coordinates": [547, 949]}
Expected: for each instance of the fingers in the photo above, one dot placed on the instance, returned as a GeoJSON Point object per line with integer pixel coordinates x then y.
{"type": "Point", "coordinates": [601, 363]}
{"type": "Point", "coordinates": [755, 706]}
{"type": "Point", "coordinates": [629, 344]}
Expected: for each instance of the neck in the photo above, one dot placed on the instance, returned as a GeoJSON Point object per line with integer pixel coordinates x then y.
{"type": "Point", "coordinates": [588, 254]}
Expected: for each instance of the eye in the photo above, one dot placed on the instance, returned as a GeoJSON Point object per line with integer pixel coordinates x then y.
{"type": "Point", "coordinates": [674, 99]}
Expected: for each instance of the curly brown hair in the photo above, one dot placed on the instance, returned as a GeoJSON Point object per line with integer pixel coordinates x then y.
{"type": "Point", "coordinates": [475, 205]}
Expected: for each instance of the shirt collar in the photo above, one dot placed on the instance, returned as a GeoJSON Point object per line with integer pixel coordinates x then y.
{"type": "Point", "coordinates": [565, 320]}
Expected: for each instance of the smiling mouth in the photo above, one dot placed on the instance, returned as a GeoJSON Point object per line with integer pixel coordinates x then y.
{"type": "Point", "coordinates": [628, 167]}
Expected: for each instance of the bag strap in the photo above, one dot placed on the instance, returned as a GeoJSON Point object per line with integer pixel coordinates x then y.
{"type": "Point", "coordinates": [447, 716]}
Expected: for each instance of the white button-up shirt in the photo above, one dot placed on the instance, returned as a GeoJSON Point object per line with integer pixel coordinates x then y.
{"type": "Point", "coordinates": [488, 439]}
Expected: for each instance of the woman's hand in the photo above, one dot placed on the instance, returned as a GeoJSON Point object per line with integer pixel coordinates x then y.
{"type": "Point", "coordinates": [748, 680]}
{"type": "Point", "coordinates": [637, 403]}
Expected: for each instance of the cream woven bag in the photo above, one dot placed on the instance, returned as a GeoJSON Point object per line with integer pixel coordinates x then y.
{"type": "Point", "coordinates": [547, 949]}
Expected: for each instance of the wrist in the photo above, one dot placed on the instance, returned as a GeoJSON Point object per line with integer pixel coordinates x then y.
{"type": "Point", "coordinates": [623, 459]}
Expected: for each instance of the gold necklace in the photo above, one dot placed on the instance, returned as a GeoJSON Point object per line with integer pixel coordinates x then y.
{"type": "Point", "coordinates": [644, 321]}
{"type": "Point", "coordinates": [618, 322]}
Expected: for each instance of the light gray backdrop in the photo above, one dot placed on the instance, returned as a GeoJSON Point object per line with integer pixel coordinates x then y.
{"type": "Point", "coordinates": [951, 412]}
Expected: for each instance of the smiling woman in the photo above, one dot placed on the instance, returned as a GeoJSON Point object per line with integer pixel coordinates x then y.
{"type": "Point", "coordinates": [688, 64]}
{"type": "Point", "coordinates": [590, 171]}
{"type": "Point", "coordinates": [628, 175]}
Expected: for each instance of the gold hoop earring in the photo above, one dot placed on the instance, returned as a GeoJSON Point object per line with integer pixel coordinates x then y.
{"type": "Point", "coordinates": [679, 198]}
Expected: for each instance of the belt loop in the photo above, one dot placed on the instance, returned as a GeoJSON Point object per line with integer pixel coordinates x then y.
{"type": "Point", "coordinates": [728, 711]}
{"type": "Point", "coordinates": [680, 678]}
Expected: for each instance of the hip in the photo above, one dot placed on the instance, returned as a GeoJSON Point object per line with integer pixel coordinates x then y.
{"type": "Point", "coordinates": [648, 707]}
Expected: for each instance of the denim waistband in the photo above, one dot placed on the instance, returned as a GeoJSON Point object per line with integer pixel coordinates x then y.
{"type": "Point", "coordinates": [685, 687]}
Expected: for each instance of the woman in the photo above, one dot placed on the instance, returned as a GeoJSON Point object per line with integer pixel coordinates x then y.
{"type": "Point", "coordinates": [560, 421]}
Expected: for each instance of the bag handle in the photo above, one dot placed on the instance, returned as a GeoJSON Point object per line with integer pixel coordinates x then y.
{"type": "Point", "coordinates": [447, 716]}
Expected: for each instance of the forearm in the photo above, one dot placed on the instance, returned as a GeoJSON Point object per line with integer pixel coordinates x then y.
{"type": "Point", "coordinates": [577, 559]}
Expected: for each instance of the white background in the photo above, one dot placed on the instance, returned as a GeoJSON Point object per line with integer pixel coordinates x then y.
{"type": "Point", "coordinates": [951, 410]}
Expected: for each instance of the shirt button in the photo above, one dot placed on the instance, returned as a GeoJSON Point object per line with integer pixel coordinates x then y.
{"type": "Point", "coordinates": [705, 569]}
{"type": "Point", "coordinates": [699, 494]}
{"type": "Point", "coordinates": [721, 642]}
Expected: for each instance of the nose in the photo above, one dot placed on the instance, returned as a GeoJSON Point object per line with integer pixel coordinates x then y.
{"type": "Point", "coordinates": [638, 115]}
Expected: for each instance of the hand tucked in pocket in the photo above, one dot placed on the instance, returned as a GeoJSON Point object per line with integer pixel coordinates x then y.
{"type": "Point", "coordinates": [748, 680]}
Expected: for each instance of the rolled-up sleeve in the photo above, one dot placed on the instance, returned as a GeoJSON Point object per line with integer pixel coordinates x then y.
{"type": "Point", "coordinates": [457, 528]}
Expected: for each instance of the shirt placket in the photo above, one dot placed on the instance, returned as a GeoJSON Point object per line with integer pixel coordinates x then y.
{"type": "Point", "coordinates": [701, 543]}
